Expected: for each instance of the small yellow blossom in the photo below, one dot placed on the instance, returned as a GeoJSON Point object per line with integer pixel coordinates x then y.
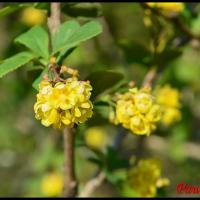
{"type": "Point", "coordinates": [32, 16]}
{"type": "Point", "coordinates": [136, 110]}
{"type": "Point", "coordinates": [168, 7]}
{"type": "Point", "coordinates": [162, 182]}
{"type": "Point", "coordinates": [171, 115]}
{"type": "Point", "coordinates": [63, 104]}
{"type": "Point", "coordinates": [145, 177]}
{"type": "Point", "coordinates": [95, 137]}
{"type": "Point", "coordinates": [52, 185]}
{"type": "Point", "coordinates": [169, 100]}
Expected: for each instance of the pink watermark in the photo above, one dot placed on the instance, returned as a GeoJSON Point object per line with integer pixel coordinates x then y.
{"type": "Point", "coordinates": [182, 188]}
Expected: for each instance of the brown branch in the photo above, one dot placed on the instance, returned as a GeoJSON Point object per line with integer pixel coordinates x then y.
{"type": "Point", "coordinates": [92, 185]}
{"type": "Point", "coordinates": [150, 77]}
{"type": "Point", "coordinates": [178, 23]}
{"type": "Point", "coordinates": [53, 21]}
{"type": "Point", "coordinates": [70, 183]}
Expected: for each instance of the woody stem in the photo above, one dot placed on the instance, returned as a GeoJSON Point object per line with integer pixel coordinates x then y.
{"type": "Point", "coordinates": [70, 183]}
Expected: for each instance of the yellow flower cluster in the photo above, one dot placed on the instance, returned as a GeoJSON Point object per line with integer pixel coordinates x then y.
{"type": "Point", "coordinates": [32, 16]}
{"type": "Point", "coordinates": [145, 177]}
{"type": "Point", "coordinates": [137, 111]}
{"type": "Point", "coordinates": [169, 100]}
{"type": "Point", "coordinates": [52, 185]}
{"type": "Point", "coordinates": [95, 137]}
{"type": "Point", "coordinates": [63, 104]}
{"type": "Point", "coordinates": [168, 7]}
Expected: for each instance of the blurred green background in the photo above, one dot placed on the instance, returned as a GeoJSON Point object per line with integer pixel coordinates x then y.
{"type": "Point", "coordinates": [28, 150]}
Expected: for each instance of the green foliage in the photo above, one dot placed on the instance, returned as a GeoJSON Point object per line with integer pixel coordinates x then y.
{"type": "Point", "coordinates": [127, 191]}
{"type": "Point", "coordinates": [12, 8]}
{"type": "Point", "coordinates": [35, 39]}
{"type": "Point", "coordinates": [114, 160]}
{"type": "Point", "coordinates": [103, 109]}
{"type": "Point", "coordinates": [166, 57]}
{"type": "Point", "coordinates": [39, 78]}
{"type": "Point", "coordinates": [15, 62]}
{"type": "Point", "coordinates": [125, 52]}
{"type": "Point", "coordinates": [70, 34]}
{"type": "Point", "coordinates": [83, 9]}
{"type": "Point", "coordinates": [63, 34]}
{"type": "Point", "coordinates": [103, 80]}
{"type": "Point", "coordinates": [135, 52]}
{"type": "Point", "coordinates": [110, 160]}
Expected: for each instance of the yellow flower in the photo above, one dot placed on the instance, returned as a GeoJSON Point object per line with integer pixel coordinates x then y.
{"type": "Point", "coordinates": [52, 185]}
{"type": "Point", "coordinates": [137, 111]}
{"type": "Point", "coordinates": [171, 115]}
{"type": "Point", "coordinates": [162, 182]}
{"type": "Point", "coordinates": [32, 16]}
{"type": "Point", "coordinates": [168, 7]}
{"type": "Point", "coordinates": [169, 100]}
{"type": "Point", "coordinates": [63, 104]}
{"type": "Point", "coordinates": [95, 137]}
{"type": "Point", "coordinates": [145, 177]}
{"type": "Point", "coordinates": [168, 96]}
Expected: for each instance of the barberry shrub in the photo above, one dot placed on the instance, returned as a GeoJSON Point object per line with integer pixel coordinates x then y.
{"type": "Point", "coordinates": [64, 98]}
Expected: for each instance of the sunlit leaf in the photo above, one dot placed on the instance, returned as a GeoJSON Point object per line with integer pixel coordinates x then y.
{"type": "Point", "coordinates": [36, 39]}
{"type": "Point", "coordinates": [15, 62]}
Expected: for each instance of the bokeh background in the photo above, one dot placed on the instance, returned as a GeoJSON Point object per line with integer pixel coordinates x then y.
{"type": "Point", "coordinates": [29, 151]}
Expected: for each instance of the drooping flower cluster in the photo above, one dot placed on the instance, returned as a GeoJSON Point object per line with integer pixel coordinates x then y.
{"type": "Point", "coordinates": [167, 7]}
{"type": "Point", "coordinates": [136, 110]}
{"type": "Point", "coordinates": [169, 100]}
{"type": "Point", "coordinates": [145, 178]}
{"type": "Point", "coordinates": [63, 104]}
{"type": "Point", "coordinates": [52, 185]}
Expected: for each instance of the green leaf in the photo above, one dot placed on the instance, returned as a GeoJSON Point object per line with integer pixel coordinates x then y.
{"type": "Point", "coordinates": [116, 177]}
{"type": "Point", "coordinates": [75, 35]}
{"type": "Point", "coordinates": [38, 79]}
{"type": "Point", "coordinates": [166, 57]}
{"type": "Point", "coordinates": [134, 51]}
{"type": "Point", "coordinates": [128, 191]}
{"type": "Point", "coordinates": [83, 9]}
{"type": "Point", "coordinates": [62, 36]}
{"type": "Point", "coordinates": [7, 10]}
{"type": "Point", "coordinates": [36, 39]}
{"type": "Point", "coordinates": [15, 62]}
{"type": "Point", "coordinates": [115, 160]}
{"type": "Point", "coordinates": [12, 8]}
{"type": "Point", "coordinates": [96, 161]}
{"type": "Point", "coordinates": [103, 80]}
{"type": "Point", "coordinates": [102, 109]}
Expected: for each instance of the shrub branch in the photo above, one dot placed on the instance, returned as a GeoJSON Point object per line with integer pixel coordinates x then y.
{"type": "Point", "coordinates": [70, 182]}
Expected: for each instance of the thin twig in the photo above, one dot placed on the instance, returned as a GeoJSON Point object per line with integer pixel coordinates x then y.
{"type": "Point", "coordinates": [53, 21]}
{"type": "Point", "coordinates": [70, 182]}
{"type": "Point", "coordinates": [92, 185]}
{"type": "Point", "coordinates": [150, 77]}
{"type": "Point", "coordinates": [121, 134]}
